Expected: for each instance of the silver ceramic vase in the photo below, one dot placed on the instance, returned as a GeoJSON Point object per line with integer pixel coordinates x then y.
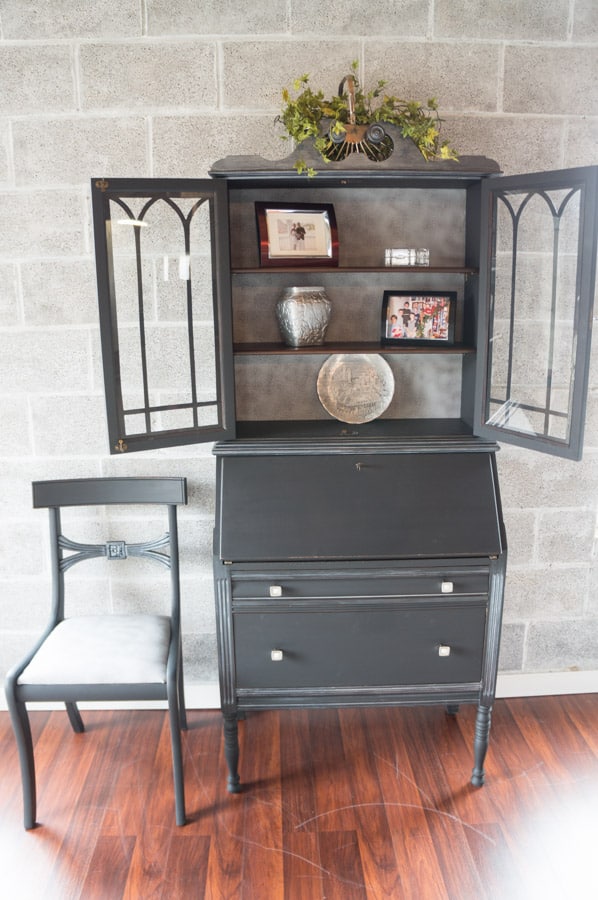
{"type": "Point", "coordinates": [303, 314]}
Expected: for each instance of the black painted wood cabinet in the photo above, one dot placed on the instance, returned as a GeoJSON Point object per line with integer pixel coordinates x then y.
{"type": "Point", "coordinates": [354, 564]}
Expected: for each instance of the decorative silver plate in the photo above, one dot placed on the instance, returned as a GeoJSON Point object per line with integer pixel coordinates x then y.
{"type": "Point", "coordinates": [355, 387]}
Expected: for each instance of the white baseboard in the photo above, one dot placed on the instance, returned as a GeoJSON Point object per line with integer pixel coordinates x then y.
{"type": "Point", "coordinates": [510, 684]}
{"type": "Point", "coordinates": [541, 684]}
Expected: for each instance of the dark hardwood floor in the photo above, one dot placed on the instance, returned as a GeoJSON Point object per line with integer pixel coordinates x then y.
{"type": "Point", "coordinates": [338, 805]}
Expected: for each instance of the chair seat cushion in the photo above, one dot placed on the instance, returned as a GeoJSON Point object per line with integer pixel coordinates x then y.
{"type": "Point", "coordinates": [111, 649]}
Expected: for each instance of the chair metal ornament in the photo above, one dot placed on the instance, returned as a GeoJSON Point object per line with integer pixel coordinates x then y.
{"type": "Point", "coordinates": [108, 657]}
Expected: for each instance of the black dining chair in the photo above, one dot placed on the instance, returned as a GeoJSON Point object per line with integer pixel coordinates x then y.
{"type": "Point", "coordinates": [108, 657]}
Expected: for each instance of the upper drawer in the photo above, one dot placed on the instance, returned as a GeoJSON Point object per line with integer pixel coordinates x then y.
{"type": "Point", "coordinates": [353, 585]}
{"type": "Point", "coordinates": [357, 507]}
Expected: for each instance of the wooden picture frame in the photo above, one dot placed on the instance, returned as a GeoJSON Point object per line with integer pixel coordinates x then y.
{"type": "Point", "coordinates": [297, 234]}
{"type": "Point", "coordinates": [418, 318]}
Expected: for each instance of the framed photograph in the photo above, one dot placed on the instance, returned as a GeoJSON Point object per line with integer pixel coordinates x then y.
{"type": "Point", "coordinates": [299, 234]}
{"type": "Point", "coordinates": [416, 318]}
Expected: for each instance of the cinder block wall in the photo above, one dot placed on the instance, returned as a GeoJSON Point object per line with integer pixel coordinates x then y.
{"type": "Point", "coordinates": [164, 88]}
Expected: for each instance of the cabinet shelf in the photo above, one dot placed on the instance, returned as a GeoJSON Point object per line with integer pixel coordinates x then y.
{"type": "Point", "coordinates": [280, 349]}
{"type": "Point", "coordinates": [354, 270]}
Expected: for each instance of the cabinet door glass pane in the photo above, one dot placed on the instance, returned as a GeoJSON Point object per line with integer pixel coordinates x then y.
{"type": "Point", "coordinates": [538, 322]}
{"type": "Point", "coordinates": [159, 316]}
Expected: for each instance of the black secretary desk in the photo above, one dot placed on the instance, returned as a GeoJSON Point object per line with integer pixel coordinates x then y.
{"type": "Point", "coordinates": [356, 563]}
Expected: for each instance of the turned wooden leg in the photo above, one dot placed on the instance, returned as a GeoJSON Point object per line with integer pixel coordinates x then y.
{"type": "Point", "coordinates": [231, 752]}
{"type": "Point", "coordinates": [480, 744]}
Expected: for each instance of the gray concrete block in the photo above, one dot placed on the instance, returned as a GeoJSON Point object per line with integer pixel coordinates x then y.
{"type": "Point", "coordinates": [187, 146]}
{"type": "Point", "coordinates": [28, 539]}
{"type": "Point", "coordinates": [70, 18]}
{"type": "Point", "coordinates": [45, 361]}
{"type": "Point", "coordinates": [512, 644]}
{"type": "Point", "coordinates": [534, 20]}
{"type": "Point", "coordinates": [36, 79]}
{"type": "Point", "coordinates": [550, 81]}
{"type": "Point", "coordinates": [567, 645]}
{"type": "Point", "coordinates": [148, 75]}
{"type": "Point", "coordinates": [590, 442]}
{"type": "Point", "coordinates": [517, 143]}
{"type": "Point", "coordinates": [25, 603]}
{"type": "Point", "coordinates": [20, 468]}
{"type": "Point", "coordinates": [70, 151]}
{"type": "Point", "coordinates": [42, 223]}
{"type": "Point", "coordinates": [200, 657]}
{"type": "Point", "coordinates": [581, 141]}
{"type": "Point", "coordinates": [197, 603]}
{"type": "Point", "coordinates": [585, 20]}
{"type": "Point", "coordinates": [255, 72]}
{"type": "Point", "coordinates": [4, 160]}
{"type": "Point", "coordinates": [15, 434]}
{"type": "Point", "coordinates": [566, 536]}
{"type": "Point", "coordinates": [9, 299]}
{"type": "Point", "coordinates": [69, 425]}
{"type": "Point", "coordinates": [591, 607]}
{"type": "Point", "coordinates": [59, 292]}
{"type": "Point", "coordinates": [547, 593]}
{"type": "Point", "coordinates": [408, 18]}
{"type": "Point", "coordinates": [215, 17]}
{"type": "Point", "coordinates": [521, 530]}
{"type": "Point", "coordinates": [461, 80]}
{"type": "Point", "coordinates": [531, 480]}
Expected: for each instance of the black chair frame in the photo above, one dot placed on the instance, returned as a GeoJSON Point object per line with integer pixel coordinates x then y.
{"type": "Point", "coordinates": [65, 553]}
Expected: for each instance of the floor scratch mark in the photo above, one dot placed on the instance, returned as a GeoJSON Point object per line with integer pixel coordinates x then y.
{"type": "Point", "coordinates": [431, 809]}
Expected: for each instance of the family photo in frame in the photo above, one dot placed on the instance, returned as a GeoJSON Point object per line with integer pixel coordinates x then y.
{"type": "Point", "coordinates": [414, 318]}
{"type": "Point", "coordinates": [295, 235]}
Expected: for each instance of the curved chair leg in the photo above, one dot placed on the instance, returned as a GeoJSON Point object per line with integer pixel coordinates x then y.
{"type": "Point", "coordinates": [181, 694]}
{"type": "Point", "coordinates": [177, 756]}
{"type": "Point", "coordinates": [75, 718]}
{"type": "Point", "coordinates": [22, 731]}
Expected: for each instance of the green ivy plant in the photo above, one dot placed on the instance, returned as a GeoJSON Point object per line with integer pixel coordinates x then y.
{"type": "Point", "coordinates": [304, 114]}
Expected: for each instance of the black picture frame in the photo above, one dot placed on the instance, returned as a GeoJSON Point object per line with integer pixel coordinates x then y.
{"type": "Point", "coordinates": [421, 318]}
{"type": "Point", "coordinates": [281, 243]}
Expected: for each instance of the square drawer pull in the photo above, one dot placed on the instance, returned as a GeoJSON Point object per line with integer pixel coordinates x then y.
{"type": "Point", "coordinates": [275, 590]}
{"type": "Point", "coordinates": [444, 650]}
{"type": "Point", "coordinates": [276, 655]}
{"type": "Point", "coordinates": [447, 587]}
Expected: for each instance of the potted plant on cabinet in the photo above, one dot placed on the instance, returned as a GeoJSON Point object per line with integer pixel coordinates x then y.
{"type": "Point", "coordinates": [354, 121]}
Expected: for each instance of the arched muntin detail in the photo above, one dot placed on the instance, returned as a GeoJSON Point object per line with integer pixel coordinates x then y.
{"type": "Point", "coordinates": [557, 212]}
{"type": "Point", "coordinates": [186, 221]}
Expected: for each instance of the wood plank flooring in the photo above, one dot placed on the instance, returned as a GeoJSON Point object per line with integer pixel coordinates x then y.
{"type": "Point", "coordinates": [354, 804]}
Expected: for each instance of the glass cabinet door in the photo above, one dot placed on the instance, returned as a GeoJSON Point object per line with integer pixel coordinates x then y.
{"type": "Point", "coordinates": [164, 298]}
{"type": "Point", "coordinates": [538, 271]}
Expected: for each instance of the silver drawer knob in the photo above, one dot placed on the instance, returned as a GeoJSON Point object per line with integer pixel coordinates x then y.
{"type": "Point", "coordinates": [276, 655]}
{"type": "Point", "coordinates": [444, 650]}
{"type": "Point", "coordinates": [447, 587]}
{"type": "Point", "coordinates": [275, 590]}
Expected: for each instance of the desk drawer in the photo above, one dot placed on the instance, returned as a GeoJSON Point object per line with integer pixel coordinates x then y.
{"type": "Point", "coordinates": [437, 645]}
{"type": "Point", "coordinates": [280, 585]}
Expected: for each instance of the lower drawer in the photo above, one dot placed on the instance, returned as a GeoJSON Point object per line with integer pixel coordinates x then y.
{"type": "Point", "coordinates": [359, 647]}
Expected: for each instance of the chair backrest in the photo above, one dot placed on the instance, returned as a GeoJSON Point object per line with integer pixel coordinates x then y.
{"type": "Point", "coordinates": [101, 491]}
{"type": "Point", "coordinates": [65, 552]}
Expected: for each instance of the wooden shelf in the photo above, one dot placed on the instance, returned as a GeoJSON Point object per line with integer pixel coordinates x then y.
{"type": "Point", "coordinates": [355, 270]}
{"type": "Point", "coordinates": [272, 349]}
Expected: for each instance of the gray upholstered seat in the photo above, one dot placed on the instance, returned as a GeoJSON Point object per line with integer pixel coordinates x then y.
{"type": "Point", "coordinates": [126, 656]}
